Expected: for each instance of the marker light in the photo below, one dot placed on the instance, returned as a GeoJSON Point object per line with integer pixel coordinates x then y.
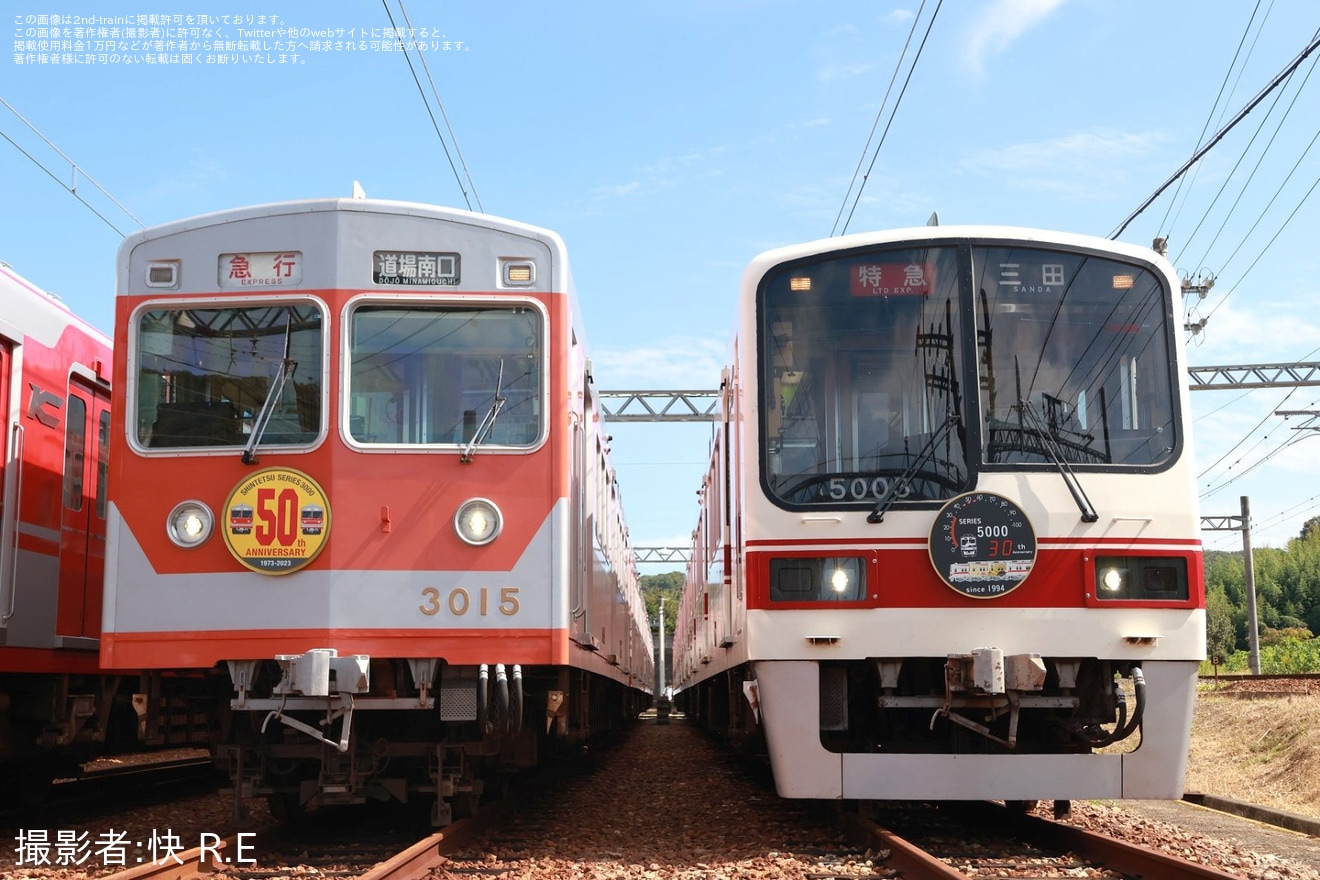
{"type": "Point", "coordinates": [519, 273]}
{"type": "Point", "coordinates": [799, 283]}
{"type": "Point", "coordinates": [1123, 282]}
{"type": "Point", "coordinates": [478, 521]}
{"type": "Point", "coordinates": [189, 524]}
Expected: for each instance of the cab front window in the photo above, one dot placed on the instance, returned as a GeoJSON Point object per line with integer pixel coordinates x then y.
{"type": "Point", "coordinates": [205, 372]}
{"type": "Point", "coordinates": [446, 374]}
{"type": "Point", "coordinates": [861, 371]}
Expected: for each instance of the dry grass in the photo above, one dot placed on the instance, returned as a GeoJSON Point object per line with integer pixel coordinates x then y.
{"type": "Point", "coordinates": [1265, 751]}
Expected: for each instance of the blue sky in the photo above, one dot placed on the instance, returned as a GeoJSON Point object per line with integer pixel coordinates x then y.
{"type": "Point", "coordinates": [669, 143]}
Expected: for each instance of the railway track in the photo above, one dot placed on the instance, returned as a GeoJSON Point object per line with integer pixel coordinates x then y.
{"type": "Point", "coordinates": [669, 802]}
{"type": "Point", "coordinates": [149, 779]}
{"type": "Point", "coordinates": [970, 840]}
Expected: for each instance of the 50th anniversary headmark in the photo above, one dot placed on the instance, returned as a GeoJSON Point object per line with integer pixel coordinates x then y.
{"type": "Point", "coordinates": [276, 521]}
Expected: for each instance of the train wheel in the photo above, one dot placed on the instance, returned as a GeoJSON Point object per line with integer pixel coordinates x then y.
{"type": "Point", "coordinates": [35, 787]}
{"type": "Point", "coordinates": [1022, 807]}
{"type": "Point", "coordinates": [464, 804]}
{"type": "Point", "coordinates": [28, 786]}
{"type": "Point", "coordinates": [287, 808]}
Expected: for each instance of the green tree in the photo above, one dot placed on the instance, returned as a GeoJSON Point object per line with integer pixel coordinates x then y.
{"type": "Point", "coordinates": [1220, 636]}
{"type": "Point", "coordinates": [670, 586]}
{"type": "Point", "coordinates": [1287, 604]}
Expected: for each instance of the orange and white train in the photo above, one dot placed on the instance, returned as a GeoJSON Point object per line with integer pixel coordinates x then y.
{"type": "Point", "coordinates": [55, 708]}
{"type": "Point", "coordinates": [359, 478]}
{"type": "Point", "coordinates": [948, 546]}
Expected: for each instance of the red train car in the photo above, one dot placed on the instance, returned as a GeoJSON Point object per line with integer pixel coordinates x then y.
{"type": "Point", "coordinates": [55, 708]}
{"type": "Point", "coordinates": [360, 477]}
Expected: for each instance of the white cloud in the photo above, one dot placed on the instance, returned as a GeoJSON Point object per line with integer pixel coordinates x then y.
{"type": "Point", "coordinates": [674, 362]}
{"type": "Point", "coordinates": [1000, 24]}
{"type": "Point", "coordinates": [617, 190]}
{"type": "Point", "coordinates": [835, 72]}
{"type": "Point", "coordinates": [665, 173]}
{"type": "Point", "coordinates": [1282, 331]}
{"type": "Point", "coordinates": [1084, 165]}
{"type": "Point", "coordinates": [1066, 152]}
{"type": "Point", "coordinates": [844, 30]}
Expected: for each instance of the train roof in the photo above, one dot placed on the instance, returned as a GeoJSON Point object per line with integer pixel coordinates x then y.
{"type": "Point", "coordinates": [951, 233]}
{"type": "Point", "coordinates": [330, 205]}
{"type": "Point", "coordinates": [38, 313]}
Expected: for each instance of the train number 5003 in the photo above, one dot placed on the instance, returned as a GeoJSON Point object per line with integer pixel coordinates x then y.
{"type": "Point", "coordinates": [859, 488]}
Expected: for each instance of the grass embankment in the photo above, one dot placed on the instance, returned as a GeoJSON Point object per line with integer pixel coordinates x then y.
{"type": "Point", "coordinates": [1264, 751]}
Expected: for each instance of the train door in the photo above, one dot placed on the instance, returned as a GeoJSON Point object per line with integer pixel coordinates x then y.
{"type": "Point", "coordinates": [82, 521]}
{"type": "Point", "coordinates": [578, 533]}
{"type": "Point", "coordinates": [8, 472]}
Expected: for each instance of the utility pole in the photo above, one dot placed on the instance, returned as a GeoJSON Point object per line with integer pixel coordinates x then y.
{"type": "Point", "coordinates": [1249, 570]}
{"type": "Point", "coordinates": [1243, 524]}
{"type": "Point", "coordinates": [662, 645]}
{"type": "Point", "coordinates": [662, 704]}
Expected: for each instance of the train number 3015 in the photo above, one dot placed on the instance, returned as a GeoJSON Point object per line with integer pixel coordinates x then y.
{"type": "Point", "coordinates": [459, 601]}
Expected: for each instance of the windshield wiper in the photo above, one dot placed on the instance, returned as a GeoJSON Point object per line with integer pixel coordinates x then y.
{"type": "Point", "coordinates": [1051, 448]}
{"type": "Point", "coordinates": [899, 487]}
{"type": "Point", "coordinates": [487, 423]}
{"type": "Point", "coordinates": [287, 366]}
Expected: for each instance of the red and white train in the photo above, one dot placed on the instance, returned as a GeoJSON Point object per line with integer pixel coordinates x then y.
{"type": "Point", "coordinates": [359, 476]}
{"type": "Point", "coordinates": [949, 545]}
{"type": "Point", "coordinates": [55, 708]}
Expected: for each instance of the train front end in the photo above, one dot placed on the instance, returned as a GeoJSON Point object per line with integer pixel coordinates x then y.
{"type": "Point", "coordinates": [970, 564]}
{"type": "Point", "coordinates": [340, 511]}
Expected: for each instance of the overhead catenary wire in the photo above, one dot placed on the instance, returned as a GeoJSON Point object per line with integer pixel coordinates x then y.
{"type": "Point", "coordinates": [1260, 160]}
{"type": "Point", "coordinates": [74, 167]}
{"type": "Point", "coordinates": [1236, 446]}
{"type": "Point", "coordinates": [1223, 86]}
{"type": "Point", "coordinates": [1227, 479]}
{"type": "Point", "coordinates": [892, 113]}
{"type": "Point", "coordinates": [1280, 78]}
{"type": "Point", "coordinates": [1246, 459]}
{"type": "Point", "coordinates": [1274, 238]}
{"type": "Point", "coordinates": [434, 124]}
{"type": "Point", "coordinates": [898, 65]}
{"type": "Point", "coordinates": [443, 115]}
{"type": "Point", "coordinates": [1282, 516]}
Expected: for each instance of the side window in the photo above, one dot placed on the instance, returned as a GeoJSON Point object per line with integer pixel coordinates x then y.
{"type": "Point", "coordinates": [75, 452]}
{"type": "Point", "coordinates": [102, 462]}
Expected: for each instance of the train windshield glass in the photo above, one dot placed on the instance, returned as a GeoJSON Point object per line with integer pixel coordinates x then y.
{"type": "Point", "coordinates": [431, 374]}
{"type": "Point", "coordinates": [871, 380]}
{"type": "Point", "coordinates": [861, 374]}
{"type": "Point", "coordinates": [1074, 353]}
{"type": "Point", "coordinates": [204, 373]}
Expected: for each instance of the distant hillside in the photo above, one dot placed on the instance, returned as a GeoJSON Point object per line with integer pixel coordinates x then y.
{"type": "Point", "coordinates": [670, 586]}
{"type": "Point", "coordinates": [1287, 598]}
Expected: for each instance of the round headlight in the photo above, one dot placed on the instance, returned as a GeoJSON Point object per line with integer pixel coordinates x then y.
{"type": "Point", "coordinates": [190, 524]}
{"type": "Point", "coordinates": [478, 521]}
{"type": "Point", "coordinates": [1112, 580]}
{"type": "Point", "coordinates": [839, 580]}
